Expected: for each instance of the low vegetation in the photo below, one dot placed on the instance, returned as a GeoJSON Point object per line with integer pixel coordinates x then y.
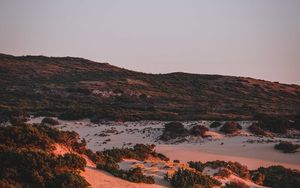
{"type": "Point", "coordinates": [278, 177]}
{"type": "Point", "coordinates": [198, 130]}
{"type": "Point", "coordinates": [287, 147]}
{"type": "Point", "coordinates": [235, 167]}
{"type": "Point", "coordinates": [174, 130]}
{"type": "Point", "coordinates": [274, 124]}
{"type": "Point", "coordinates": [49, 121]}
{"type": "Point", "coordinates": [184, 178]}
{"type": "Point", "coordinates": [26, 159]}
{"type": "Point", "coordinates": [215, 124]}
{"type": "Point", "coordinates": [236, 184]}
{"type": "Point", "coordinates": [74, 88]}
{"type": "Point", "coordinates": [257, 130]}
{"type": "Point", "coordinates": [231, 127]}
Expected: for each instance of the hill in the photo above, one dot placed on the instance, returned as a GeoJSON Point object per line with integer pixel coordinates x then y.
{"type": "Point", "coordinates": [74, 88]}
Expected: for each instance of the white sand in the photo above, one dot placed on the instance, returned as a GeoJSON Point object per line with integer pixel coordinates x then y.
{"type": "Point", "coordinates": [216, 147]}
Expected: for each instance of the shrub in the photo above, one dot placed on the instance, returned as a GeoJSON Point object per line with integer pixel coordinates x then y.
{"type": "Point", "coordinates": [199, 166]}
{"type": "Point", "coordinates": [136, 175]}
{"type": "Point", "coordinates": [278, 176]}
{"type": "Point", "coordinates": [258, 178]}
{"type": "Point", "coordinates": [240, 170]}
{"type": "Point", "coordinates": [173, 130]}
{"type": "Point", "coordinates": [199, 130]}
{"type": "Point", "coordinates": [215, 124]}
{"type": "Point", "coordinates": [274, 124]}
{"type": "Point", "coordinates": [184, 178]}
{"type": "Point", "coordinates": [138, 152]}
{"type": "Point", "coordinates": [236, 184]}
{"type": "Point", "coordinates": [18, 117]}
{"type": "Point", "coordinates": [49, 121]}
{"type": "Point", "coordinates": [33, 169]}
{"type": "Point", "coordinates": [67, 180]}
{"type": "Point", "coordinates": [25, 160]}
{"type": "Point", "coordinates": [224, 172]}
{"type": "Point", "coordinates": [133, 175]}
{"type": "Point", "coordinates": [72, 161]}
{"type": "Point", "coordinates": [27, 136]}
{"type": "Point", "coordinates": [230, 127]}
{"type": "Point", "coordinates": [287, 147]}
{"type": "Point", "coordinates": [255, 129]}
{"type": "Point", "coordinates": [162, 157]}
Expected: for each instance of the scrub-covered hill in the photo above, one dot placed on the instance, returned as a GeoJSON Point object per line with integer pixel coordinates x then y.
{"type": "Point", "coordinates": [74, 88]}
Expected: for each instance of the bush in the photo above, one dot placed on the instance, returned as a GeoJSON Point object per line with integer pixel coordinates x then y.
{"type": "Point", "coordinates": [49, 121]}
{"type": "Point", "coordinates": [35, 169]}
{"type": "Point", "coordinates": [25, 160]}
{"type": "Point", "coordinates": [258, 178]}
{"type": "Point", "coordinates": [278, 177]}
{"type": "Point", "coordinates": [274, 124]}
{"type": "Point", "coordinates": [224, 172]}
{"type": "Point", "coordinates": [67, 180]}
{"type": "Point", "coordinates": [133, 175]}
{"type": "Point", "coordinates": [240, 170]}
{"type": "Point", "coordinates": [287, 147]}
{"type": "Point", "coordinates": [199, 130]}
{"type": "Point", "coordinates": [215, 124]}
{"type": "Point", "coordinates": [184, 178]}
{"type": "Point", "coordinates": [174, 130]}
{"type": "Point", "coordinates": [236, 184]}
{"type": "Point", "coordinates": [136, 175]}
{"type": "Point", "coordinates": [199, 166]}
{"type": "Point", "coordinates": [255, 129]}
{"type": "Point", "coordinates": [18, 117]}
{"type": "Point", "coordinates": [72, 161]}
{"type": "Point", "coordinates": [26, 136]}
{"type": "Point", "coordinates": [230, 127]}
{"type": "Point", "coordinates": [138, 152]}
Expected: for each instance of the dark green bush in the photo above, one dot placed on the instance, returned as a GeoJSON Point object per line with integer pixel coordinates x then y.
{"type": "Point", "coordinates": [230, 127]}
{"type": "Point", "coordinates": [274, 124]}
{"type": "Point", "coordinates": [236, 184]}
{"type": "Point", "coordinates": [27, 136]}
{"type": "Point", "coordinates": [184, 178]}
{"type": "Point", "coordinates": [68, 180]}
{"type": "Point", "coordinates": [174, 130]}
{"type": "Point", "coordinates": [49, 121]}
{"type": "Point", "coordinates": [199, 166]}
{"type": "Point", "coordinates": [72, 161]}
{"type": "Point", "coordinates": [25, 160]}
{"type": "Point", "coordinates": [287, 147]}
{"type": "Point", "coordinates": [256, 129]}
{"type": "Point", "coordinates": [199, 130]}
{"type": "Point", "coordinates": [215, 124]}
{"type": "Point", "coordinates": [280, 177]}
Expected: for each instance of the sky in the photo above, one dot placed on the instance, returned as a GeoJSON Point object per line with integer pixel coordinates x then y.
{"type": "Point", "coordinates": [251, 38]}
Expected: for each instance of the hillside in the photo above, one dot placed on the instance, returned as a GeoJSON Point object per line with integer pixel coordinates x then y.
{"type": "Point", "coordinates": [74, 88]}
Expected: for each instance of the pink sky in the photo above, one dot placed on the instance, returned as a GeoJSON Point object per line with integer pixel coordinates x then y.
{"type": "Point", "coordinates": [256, 38]}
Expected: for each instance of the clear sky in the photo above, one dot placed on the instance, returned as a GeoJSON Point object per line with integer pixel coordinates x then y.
{"type": "Point", "coordinates": [256, 38]}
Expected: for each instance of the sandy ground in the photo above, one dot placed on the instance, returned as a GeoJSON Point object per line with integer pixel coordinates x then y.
{"type": "Point", "coordinates": [244, 148]}
{"type": "Point", "coordinates": [219, 147]}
